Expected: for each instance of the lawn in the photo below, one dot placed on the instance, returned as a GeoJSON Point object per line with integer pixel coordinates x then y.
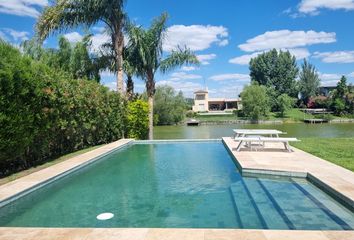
{"type": "Point", "coordinates": [44, 165]}
{"type": "Point", "coordinates": [339, 151]}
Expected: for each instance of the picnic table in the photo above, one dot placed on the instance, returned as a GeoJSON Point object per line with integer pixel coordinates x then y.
{"type": "Point", "coordinates": [261, 132]}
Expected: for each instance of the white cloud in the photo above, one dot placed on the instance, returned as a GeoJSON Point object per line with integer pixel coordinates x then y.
{"type": "Point", "coordinates": [111, 85]}
{"type": "Point", "coordinates": [331, 79]}
{"type": "Point", "coordinates": [188, 68]}
{"type": "Point", "coordinates": [178, 76]}
{"type": "Point", "coordinates": [336, 57]}
{"type": "Point", "coordinates": [299, 53]}
{"type": "Point", "coordinates": [223, 43]}
{"type": "Point", "coordinates": [188, 88]}
{"type": "Point", "coordinates": [9, 34]}
{"type": "Point", "coordinates": [205, 58]}
{"type": "Point", "coordinates": [312, 7]}
{"type": "Point", "coordinates": [231, 76]}
{"type": "Point", "coordinates": [73, 37]}
{"type": "Point", "coordinates": [244, 59]}
{"type": "Point", "coordinates": [3, 36]}
{"type": "Point", "coordinates": [195, 37]}
{"type": "Point", "coordinates": [17, 35]}
{"type": "Point", "coordinates": [27, 8]}
{"type": "Point", "coordinates": [98, 40]}
{"type": "Point", "coordinates": [286, 39]}
{"type": "Point", "coordinates": [106, 73]}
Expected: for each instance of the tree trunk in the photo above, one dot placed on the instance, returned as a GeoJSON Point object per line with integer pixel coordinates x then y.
{"type": "Point", "coordinates": [118, 48]}
{"type": "Point", "coordinates": [150, 89]}
{"type": "Point", "coordinates": [130, 87]}
{"type": "Point", "coordinates": [151, 117]}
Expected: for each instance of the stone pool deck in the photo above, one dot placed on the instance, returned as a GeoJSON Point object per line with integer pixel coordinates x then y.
{"type": "Point", "coordinates": [274, 160]}
{"type": "Point", "coordinates": [269, 161]}
{"type": "Point", "coordinates": [167, 234]}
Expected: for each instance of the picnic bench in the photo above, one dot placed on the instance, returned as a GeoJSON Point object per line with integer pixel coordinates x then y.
{"type": "Point", "coordinates": [261, 140]}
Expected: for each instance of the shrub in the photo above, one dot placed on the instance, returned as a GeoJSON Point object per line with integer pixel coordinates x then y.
{"type": "Point", "coordinates": [44, 113]}
{"type": "Point", "coordinates": [190, 114]}
{"type": "Point", "coordinates": [138, 120]}
{"type": "Point", "coordinates": [284, 103]}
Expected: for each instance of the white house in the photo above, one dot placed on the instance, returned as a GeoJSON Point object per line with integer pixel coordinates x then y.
{"type": "Point", "coordinates": [202, 103]}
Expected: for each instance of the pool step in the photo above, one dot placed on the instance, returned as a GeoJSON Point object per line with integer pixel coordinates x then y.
{"type": "Point", "coordinates": [256, 207]}
{"type": "Point", "coordinates": [246, 209]}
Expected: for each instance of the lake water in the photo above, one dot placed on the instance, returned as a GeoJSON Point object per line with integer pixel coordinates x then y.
{"type": "Point", "coordinates": [300, 130]}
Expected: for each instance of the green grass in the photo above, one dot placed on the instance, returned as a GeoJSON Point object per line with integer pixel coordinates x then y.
{"type": "Point", "coordinates": [339, 151]}
{"type": "Point", "coordinates": [44, 165]}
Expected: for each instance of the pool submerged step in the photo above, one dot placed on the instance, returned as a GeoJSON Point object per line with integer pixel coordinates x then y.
{"type": "Point", "coordinates": [246, 208]}
{"type": "Point", "coordinates": [267, 205]}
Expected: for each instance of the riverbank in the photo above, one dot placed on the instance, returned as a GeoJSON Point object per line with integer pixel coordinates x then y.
{"type": "Point", "coordinates": [292, 116]}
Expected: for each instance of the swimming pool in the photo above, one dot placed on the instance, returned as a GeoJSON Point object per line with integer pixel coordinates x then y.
{"type": "Point", "coordinates": [175, 185]}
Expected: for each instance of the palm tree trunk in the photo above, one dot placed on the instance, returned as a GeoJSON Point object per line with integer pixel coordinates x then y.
{"type": "Point", "coordinates": [150, 89]}
{"type": "Point", "coordinates": [130, 87]}
{"type": "Point", "coordinates": [118, 47]}
{"type": "Point", "coordinates": [151, 117]}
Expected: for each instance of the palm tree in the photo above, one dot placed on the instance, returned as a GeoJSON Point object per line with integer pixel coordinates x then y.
{"type": "Point", "coordinates": [65, 14]}
{"type": "Point", "coordinates": [148, 57]}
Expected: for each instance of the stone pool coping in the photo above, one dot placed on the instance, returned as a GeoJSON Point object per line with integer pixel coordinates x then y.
{"type": "Point", "coordinates": [273, 160]}
{"type": "Point", "coordinates": [265, 162]}
{"type": "Point", "coordinates": [168, 234]}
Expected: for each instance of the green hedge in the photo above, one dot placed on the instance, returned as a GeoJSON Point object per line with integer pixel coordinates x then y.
{"type": "Point", "coordinates": [44, 114]}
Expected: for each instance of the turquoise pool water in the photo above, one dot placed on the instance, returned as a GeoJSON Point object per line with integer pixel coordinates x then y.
{"type": "Point", "coordinates": [175, 185]}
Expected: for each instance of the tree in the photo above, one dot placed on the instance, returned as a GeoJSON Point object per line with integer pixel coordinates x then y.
{"type": "Point", "coordinates": [64, 14]}
{"type": "Point", "coordinates": [74, 59]}
{"type": "Point", "coordinates": [169, 106]}
{"type": "Point", "coordinates": [309, 81]}
{"type": "Point", "coordinates": [277, 70]}
{"type": "Point", "coordinates": [148, 55]}
{"type": "Point", "coordinates": [284, 103]}
{"type": "Point", "coordinates": [340, 97]}
{"type": "Point", "coordinates": [255, 101]}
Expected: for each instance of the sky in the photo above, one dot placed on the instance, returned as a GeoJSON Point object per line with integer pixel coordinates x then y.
{"type": "Point", "coordinates": [224, 34]}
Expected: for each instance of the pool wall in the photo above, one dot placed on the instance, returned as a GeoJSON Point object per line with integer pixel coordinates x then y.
{"type": "Point", "coordinates": [331, 179]}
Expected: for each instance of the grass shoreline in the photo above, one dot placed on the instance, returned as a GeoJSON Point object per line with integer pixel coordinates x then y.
{"type": "Point", "coordinates": [294, 115]}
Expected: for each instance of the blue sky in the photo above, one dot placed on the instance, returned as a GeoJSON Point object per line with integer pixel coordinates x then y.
{"type": "Point", "coordinates": [224, 34]}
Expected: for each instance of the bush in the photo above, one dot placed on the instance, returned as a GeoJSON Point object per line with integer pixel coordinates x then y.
{"type": "Point", "coordinates": [138, 120]}
{"type": "Point", "coordinates": [284, 103]}
{"type": "Point", "coordinates": [255, 102]}
{"type": "Point", "coordinates": [44, 113]}
{"type": "Point", "coordinates": [190, 114]}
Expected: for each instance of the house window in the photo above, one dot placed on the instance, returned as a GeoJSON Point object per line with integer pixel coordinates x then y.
{"type": "Point", "coordinates": [200, 97]}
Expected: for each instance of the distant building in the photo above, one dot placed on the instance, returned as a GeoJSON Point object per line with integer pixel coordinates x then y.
{"type": "Point", "coordinates": [325, 90]}
{"type": "Point", "coordinates": [202, 103]}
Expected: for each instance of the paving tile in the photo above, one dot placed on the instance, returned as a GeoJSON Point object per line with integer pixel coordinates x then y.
{"type": "Point", "coordinates": [175, 234]}
{"type": "Point", "coordinates": [294, 235]}
{"type": "Point", "coordinates": [229, 234]}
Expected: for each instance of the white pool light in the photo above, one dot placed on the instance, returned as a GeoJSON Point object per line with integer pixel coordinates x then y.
{"type": "Point", "coordinates": [105, 216]}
